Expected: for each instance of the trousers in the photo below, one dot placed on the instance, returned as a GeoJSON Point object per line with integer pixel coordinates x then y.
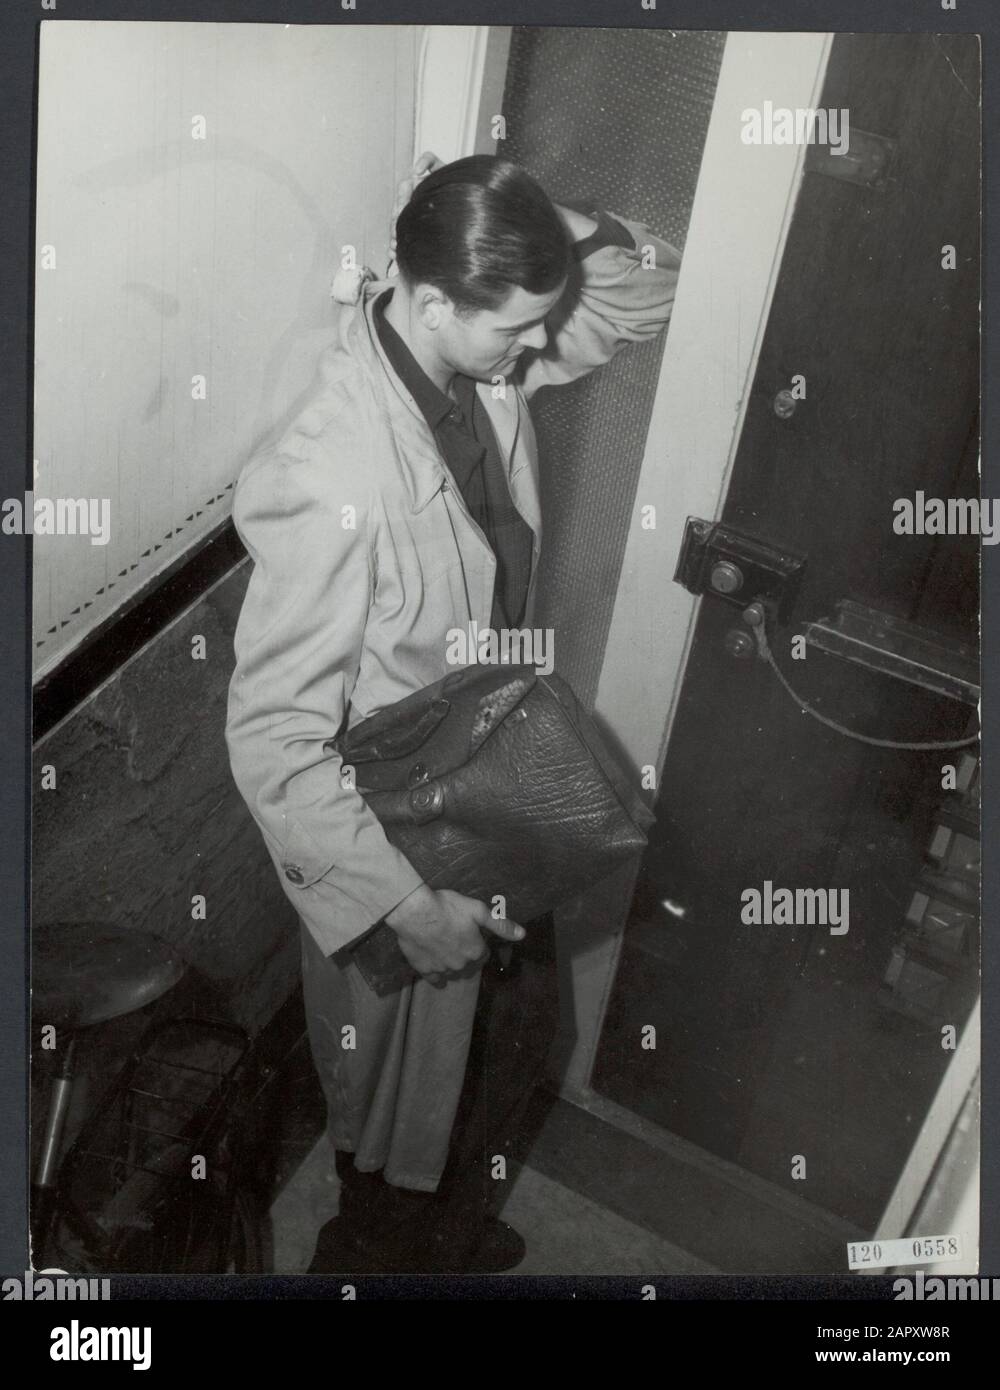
{"type": "Point", "coordinates": [511, 1033]}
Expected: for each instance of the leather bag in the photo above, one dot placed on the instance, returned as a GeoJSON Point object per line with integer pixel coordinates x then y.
{"type": "Point", "coordinates": [492, 781]}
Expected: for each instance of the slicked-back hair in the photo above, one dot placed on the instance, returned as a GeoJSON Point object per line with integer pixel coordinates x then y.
{"type": "Point", "coordinates": [478, 227]}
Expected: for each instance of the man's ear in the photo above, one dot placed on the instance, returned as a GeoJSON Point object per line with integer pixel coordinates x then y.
{"type": "Point", "coordinates": [432, 306]}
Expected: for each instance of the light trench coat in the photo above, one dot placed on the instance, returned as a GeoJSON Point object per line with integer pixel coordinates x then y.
{"type": "Point", "coordinates": [364, 557]}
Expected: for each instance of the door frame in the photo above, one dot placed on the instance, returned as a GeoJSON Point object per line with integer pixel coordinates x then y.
{"type": "Point", "coordinates": [743, 208]}
{"type": "Point", "coordinates": [461, 70]}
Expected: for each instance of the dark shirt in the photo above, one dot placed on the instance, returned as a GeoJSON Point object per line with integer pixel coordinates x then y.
{"type": "Point", "coordinates": [465, 437]}
{"type": "Point", "coordinates": [608, 232]}
{"type": "Point", "coordinates": [463, 433]}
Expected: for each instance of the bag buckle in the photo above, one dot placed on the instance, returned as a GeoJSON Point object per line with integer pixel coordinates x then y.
{"type": "Point", "coordinates": [427, 802]}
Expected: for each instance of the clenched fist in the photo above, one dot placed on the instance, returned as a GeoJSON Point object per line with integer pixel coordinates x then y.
{"type": "Point", "coordinates": [441, 931]}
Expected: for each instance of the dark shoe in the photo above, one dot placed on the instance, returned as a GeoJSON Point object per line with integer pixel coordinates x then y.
{"type": "Point", "coordinates": [337, 1250]}
{"type": "Point", "coordinates": [342, 1249]}
{"type": "Point", "coordinates": [500, 1249]}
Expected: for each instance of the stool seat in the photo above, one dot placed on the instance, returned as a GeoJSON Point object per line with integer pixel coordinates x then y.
{"type": "Point", "coordinates": [83, 973]}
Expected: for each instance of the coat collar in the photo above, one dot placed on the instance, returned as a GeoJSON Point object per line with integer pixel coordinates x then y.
{"type": "Point", "coordinates": [420, 463]}
{"type": "Point", "coordinates": [434, 403]}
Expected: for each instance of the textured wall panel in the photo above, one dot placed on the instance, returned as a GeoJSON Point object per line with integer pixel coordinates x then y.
{"type": "Point", "coordinates": [618, 117]}
{"type": "Point", "coordinates": [145, 812]}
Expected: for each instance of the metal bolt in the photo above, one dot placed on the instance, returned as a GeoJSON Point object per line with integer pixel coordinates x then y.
{"type": "Point", "coordinates": [738, 644]}
{"type": "Point", "coordinates": [727, 578]}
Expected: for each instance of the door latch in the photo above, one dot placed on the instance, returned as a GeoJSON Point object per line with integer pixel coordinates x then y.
{"type": "Point", "coordinates": [737, 568]}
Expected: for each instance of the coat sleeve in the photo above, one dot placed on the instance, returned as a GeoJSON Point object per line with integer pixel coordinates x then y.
{"type": "Point", "coordinates": [298, 645]}
{"type": "Point", "coordinates": [621, 295]}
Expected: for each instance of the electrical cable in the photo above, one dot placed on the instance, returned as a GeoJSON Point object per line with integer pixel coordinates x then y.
{"type": "Point", "coordinates": [764, 651]}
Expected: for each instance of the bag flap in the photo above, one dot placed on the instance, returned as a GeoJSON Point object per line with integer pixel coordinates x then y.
{"type": "Point", "coordinates": [434, 731]}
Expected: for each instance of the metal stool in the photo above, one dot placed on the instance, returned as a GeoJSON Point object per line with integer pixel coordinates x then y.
{"type": "Point", "coordinates": [84, 974]}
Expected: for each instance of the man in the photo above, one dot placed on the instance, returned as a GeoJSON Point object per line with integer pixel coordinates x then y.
{"type": "Point", "coordinates": [400, 504]}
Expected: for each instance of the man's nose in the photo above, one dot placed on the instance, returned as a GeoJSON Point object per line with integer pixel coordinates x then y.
{"type": "Point", "coordinates": [536, 337]}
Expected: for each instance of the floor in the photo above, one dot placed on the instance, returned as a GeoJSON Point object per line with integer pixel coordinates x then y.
{"type": "Point", "coordinates": [567, 1233]}
{"type": "Point", "coordinates": [574, 1220]}
{"type": "Point", "coordinates": [595, 1192]}
{"type": "Point", "coordinates": [595, 1189]}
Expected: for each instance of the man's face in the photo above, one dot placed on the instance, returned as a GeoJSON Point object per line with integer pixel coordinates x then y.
{"type": "Point", "coordinates": [488, 343]}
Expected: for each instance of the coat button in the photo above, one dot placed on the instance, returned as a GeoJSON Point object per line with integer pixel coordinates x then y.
{"type": "Point", "coordinates": [294, 874]}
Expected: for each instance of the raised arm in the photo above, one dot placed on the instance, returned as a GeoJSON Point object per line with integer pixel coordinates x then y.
{"type": "Point", "coordinates": [622, 292]}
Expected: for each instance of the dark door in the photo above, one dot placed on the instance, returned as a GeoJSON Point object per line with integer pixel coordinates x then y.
{"type": "Point", "coordinates": [779, 1042]}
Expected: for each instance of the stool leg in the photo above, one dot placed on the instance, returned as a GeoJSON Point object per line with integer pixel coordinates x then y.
{"type": "Point", "coordinates": [47, 1175]}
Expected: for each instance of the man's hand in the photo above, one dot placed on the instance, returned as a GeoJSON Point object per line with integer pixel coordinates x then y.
{"type": "Point", "coordinates": [441, 931]}
{"type": "Point", "coordinates": [423, 166]}
{"type": "Point", "coordinates": [426, 164]}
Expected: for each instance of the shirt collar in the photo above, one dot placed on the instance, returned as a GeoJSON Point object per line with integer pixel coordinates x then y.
{"type": "Point", "coordinates": [434, 403]}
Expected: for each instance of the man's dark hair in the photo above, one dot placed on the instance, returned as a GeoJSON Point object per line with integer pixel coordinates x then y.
{"type": "Point", "coordinates": [477, 228]}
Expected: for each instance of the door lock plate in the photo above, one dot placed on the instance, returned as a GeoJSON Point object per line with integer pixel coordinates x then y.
{"type": "Point", "coordinates": [740, 569]}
